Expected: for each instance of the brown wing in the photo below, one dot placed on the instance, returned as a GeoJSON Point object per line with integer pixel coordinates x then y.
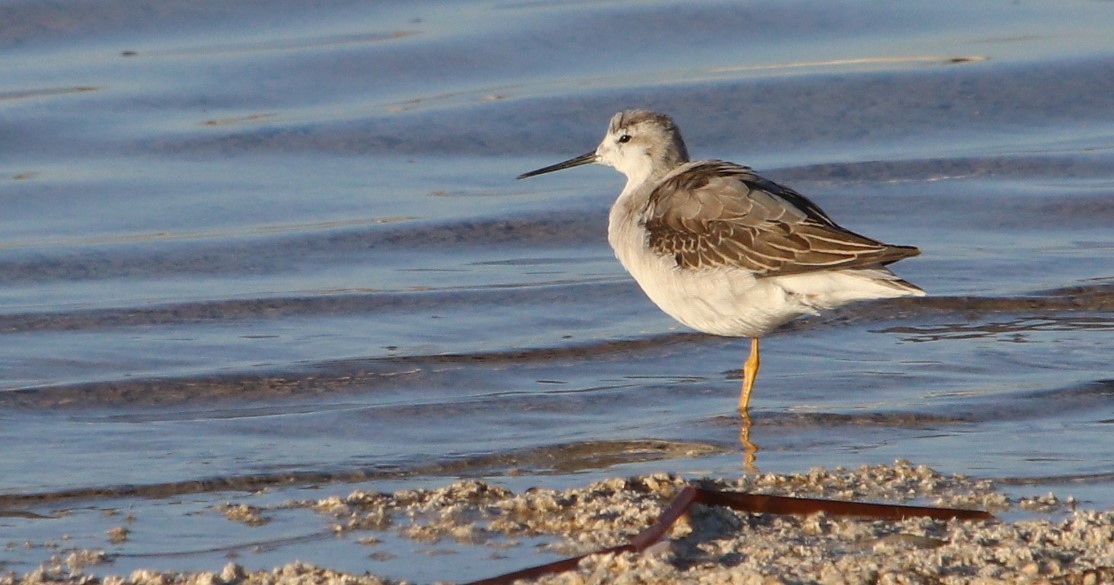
{"type": "Point", "coordinates": [714, 213]}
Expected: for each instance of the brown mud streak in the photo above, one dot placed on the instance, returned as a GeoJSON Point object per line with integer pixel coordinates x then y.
{"type": "Point", "coordinates": [742, 502]}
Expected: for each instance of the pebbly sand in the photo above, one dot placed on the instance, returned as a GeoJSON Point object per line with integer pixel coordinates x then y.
{"type": "Point", "coordinates": [1033, 539]}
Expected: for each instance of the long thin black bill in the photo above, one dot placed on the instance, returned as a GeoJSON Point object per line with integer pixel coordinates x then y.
{"type": "Point", "coordinates": [584, 159]}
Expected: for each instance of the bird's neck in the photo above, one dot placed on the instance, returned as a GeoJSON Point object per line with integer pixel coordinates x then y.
{"type": "Point", "coordinates": [649, 171]}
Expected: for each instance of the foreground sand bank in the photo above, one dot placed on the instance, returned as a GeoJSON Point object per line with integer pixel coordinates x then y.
{"type": "Point", "coordinates": [1033, 540]}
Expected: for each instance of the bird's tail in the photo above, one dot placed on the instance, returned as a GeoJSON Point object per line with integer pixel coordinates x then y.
{"type": "Point", "coordinates": [827, 290]}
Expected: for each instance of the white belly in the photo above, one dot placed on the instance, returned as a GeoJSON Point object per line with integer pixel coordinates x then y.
{"type": "Point", "coordinates": [726, 301]}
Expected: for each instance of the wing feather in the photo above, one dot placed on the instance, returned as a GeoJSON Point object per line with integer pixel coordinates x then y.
{"type": "Point", "coordinates": [710, 214]}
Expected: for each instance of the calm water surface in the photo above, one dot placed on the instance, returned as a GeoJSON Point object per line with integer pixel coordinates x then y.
{"type": "Point", "coordinates": [280, 244]}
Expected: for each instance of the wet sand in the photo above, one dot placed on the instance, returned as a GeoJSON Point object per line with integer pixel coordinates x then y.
{"type": "Point", "coordinates": [1045, 539]}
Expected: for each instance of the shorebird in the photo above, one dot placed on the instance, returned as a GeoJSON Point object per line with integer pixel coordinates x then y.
{"type": "Point", "coordinates": [724, 250]}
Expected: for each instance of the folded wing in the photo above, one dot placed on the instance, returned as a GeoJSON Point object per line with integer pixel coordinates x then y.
{"type": "Point", "coordinates": [710, 214]}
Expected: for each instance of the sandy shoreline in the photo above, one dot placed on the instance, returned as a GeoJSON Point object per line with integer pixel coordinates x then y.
{"type": "Point", "coordinates": [1055, 543]}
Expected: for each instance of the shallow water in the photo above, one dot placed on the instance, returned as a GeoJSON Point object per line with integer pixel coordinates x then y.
{"type": "Point", "coordinates": [274, 243]}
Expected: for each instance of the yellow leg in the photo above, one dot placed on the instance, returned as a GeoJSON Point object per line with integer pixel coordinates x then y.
{"type": "Point", "coordinates": [750, 372]}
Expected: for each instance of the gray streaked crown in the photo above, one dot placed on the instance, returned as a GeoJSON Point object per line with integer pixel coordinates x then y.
{"type": "Point", "coordinates": [656, 133]}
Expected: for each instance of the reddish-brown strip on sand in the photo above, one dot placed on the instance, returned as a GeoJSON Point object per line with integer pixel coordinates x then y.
{"type": "Point", "coordinates": [743, 502]}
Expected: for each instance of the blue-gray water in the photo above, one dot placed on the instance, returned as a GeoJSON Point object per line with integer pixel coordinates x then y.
{"type": "Point", "coordinates": [278, 241]}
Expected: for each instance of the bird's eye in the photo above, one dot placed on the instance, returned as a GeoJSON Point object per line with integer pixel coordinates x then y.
{"type": "Point", "coordinates": [624, 139]}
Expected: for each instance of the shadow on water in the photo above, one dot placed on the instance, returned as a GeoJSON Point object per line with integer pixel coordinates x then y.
{"type": "Point", "coordinates": [571, 458]}
{"type": "Point", "coordinates": [555, 460]}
